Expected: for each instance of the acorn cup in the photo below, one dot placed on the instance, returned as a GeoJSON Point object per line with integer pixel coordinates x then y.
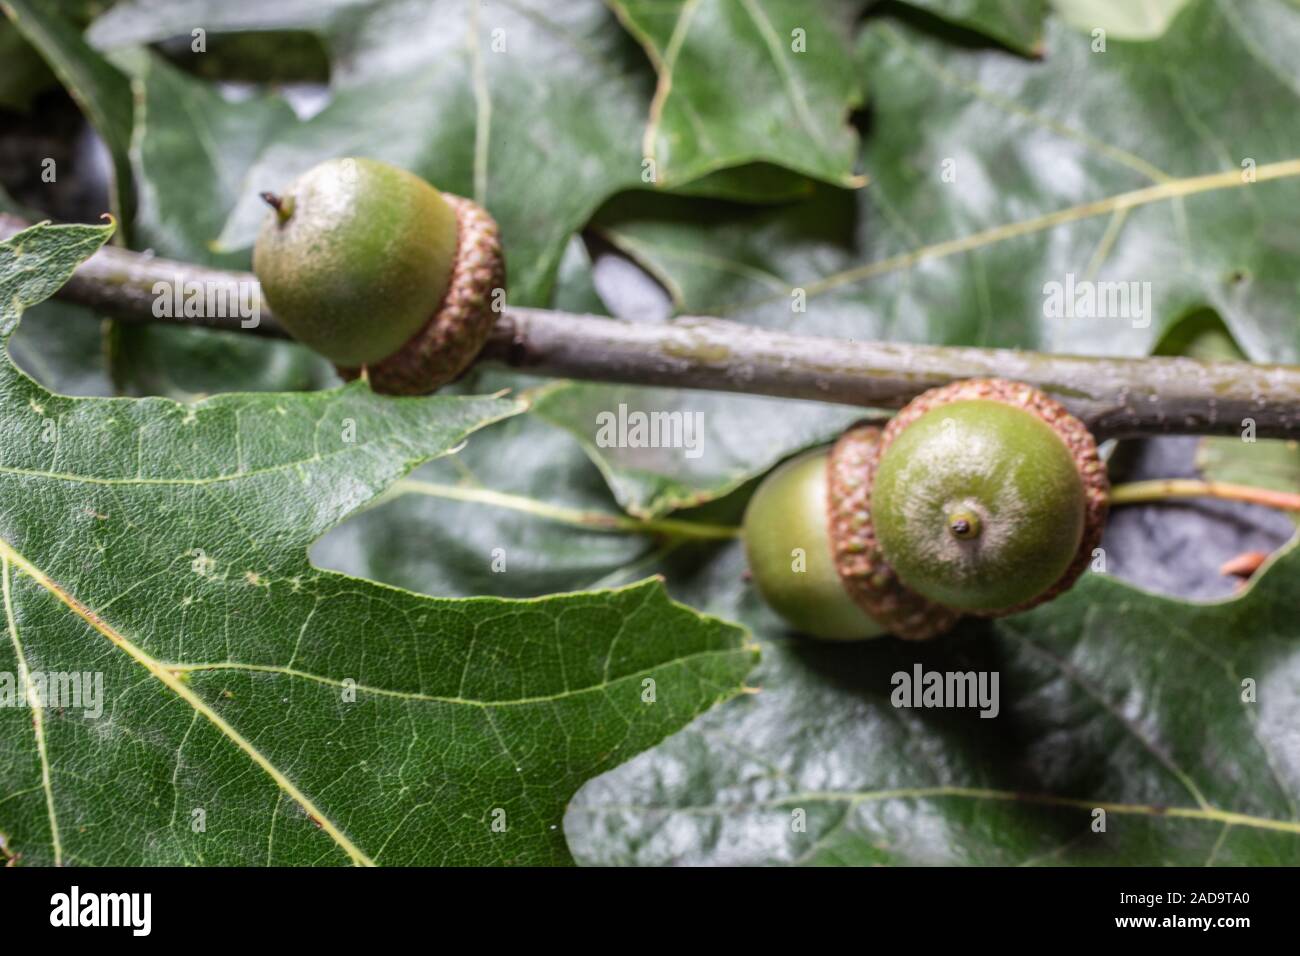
{"type": "Point", "coordinates": [983, 497]}
{"type": "Point", "coordinates": [382, 274]}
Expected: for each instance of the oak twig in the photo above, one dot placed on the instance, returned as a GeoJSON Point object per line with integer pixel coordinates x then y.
{"type": "Point", "coordinates": [1117, 397]}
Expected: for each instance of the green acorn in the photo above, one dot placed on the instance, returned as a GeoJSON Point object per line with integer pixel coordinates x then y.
{"type": "Point", "coordinates": [787, 542]}
{"type": "Point", "coordinates": [982, 497]}
{"type": "Point", "coordinates": [379, 272]}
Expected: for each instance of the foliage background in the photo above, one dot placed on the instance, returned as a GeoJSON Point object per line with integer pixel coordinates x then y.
{"type": "Point", "coordinates": [819, 171]}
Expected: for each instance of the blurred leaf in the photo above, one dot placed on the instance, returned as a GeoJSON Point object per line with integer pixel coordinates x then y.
{"type": "Point", "coordinates": [997, 180]}
{"type": "Point", "coordinates": [1121, 19]}
{"type": "Point", "coordinates": [187, 363]}
{"type": "Point", "coordinates": [261, 56]}
{"type": "Point", "coordinates": [1017, 24]}
{"type": "Point", "coordinates": [575, 287]}
{"type": "Point", "coordinates": [707, 445]}
{"type": "Point", "coordinates": [1200, 335]}
{"type": "Point", "coordinates": [1262, 464]}
{"type": "Point", "coordinates": [99, 88]}
{"type": "Point", "coordinates": [62, 347]}
{"type": "Point", "coordinates": [783, 98]}
{"type": "Point", "coordinates": [9, 205]}
{"type": "Point", "coordinates": [194, 149]}
{"type": "Point", "coordinates": [137, 22]}
{"type": "Point", "coordinates": [1107, 698]}
{"type": "Point", "coordinates": [752, 183]}
{"type": "Point", "coordinates": [25, 73]}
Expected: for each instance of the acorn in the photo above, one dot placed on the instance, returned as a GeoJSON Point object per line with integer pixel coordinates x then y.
{"type": "Point", "coordinates": [982, 497]}
{"type": "Point", "coordinates": [381, 273]}
{"type": "Point", "coordinates": [787, 542]}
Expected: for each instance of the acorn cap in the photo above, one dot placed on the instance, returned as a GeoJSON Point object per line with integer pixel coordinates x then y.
{"type": "Point", "coordinates": [863, 570]}
{"type": "Point", "coordinates": [1078, 442]}
{"type": "Point", "coordinates": [456, 332]}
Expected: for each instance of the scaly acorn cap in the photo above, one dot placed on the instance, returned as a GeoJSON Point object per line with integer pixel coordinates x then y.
{"type": "Point", "coordinates": [863, 570]}
{"type": "Point", "coordinates": [1008, 536]}
{"type": "Point", "coordinates": [456, 332]}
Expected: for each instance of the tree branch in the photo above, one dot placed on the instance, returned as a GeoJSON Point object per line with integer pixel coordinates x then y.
{"type": "Point", "coordinates": [1117, 397]}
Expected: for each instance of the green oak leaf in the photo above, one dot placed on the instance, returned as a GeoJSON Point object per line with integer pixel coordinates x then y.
{"type": "Point", "coordinates": [1110, 699]}
{"type": "Point", "coordinates": [1016, 23]}
{"type": "Point", "coordinates": [59, 344]}
{"type": "Point", "coordinates": [255, 708]}
{"type": "Point", "coordinates": [784, 96]}
{"type": "Point", "coordinates": [1121, 19]}
{"type": "Point", "coordinates": [980, 160]}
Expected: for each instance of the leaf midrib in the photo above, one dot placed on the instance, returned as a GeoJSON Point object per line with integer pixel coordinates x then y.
{"type": "Point", "coordinates": [434, 698]}
{"type": "Point", "coordinates": [170, 675]}
{"type": "Point", "coordinates": [38, 718]}
{"type": "Point", "coordinates": [173, 683]}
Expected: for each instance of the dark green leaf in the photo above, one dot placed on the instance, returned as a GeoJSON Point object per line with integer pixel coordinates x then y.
{"type": "Point", "coordinates": [1109, 699]}
{"type": "Point", "coordinates": [1016, 23]}
{"type": "Point", "coordinates": [1121, 19]}
{"type": "Point", "coordinates": [784, 96]}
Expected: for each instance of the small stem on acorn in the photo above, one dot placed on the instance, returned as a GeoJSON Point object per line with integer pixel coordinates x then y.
{"type": "Point", "coordinates": [283, 206]}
